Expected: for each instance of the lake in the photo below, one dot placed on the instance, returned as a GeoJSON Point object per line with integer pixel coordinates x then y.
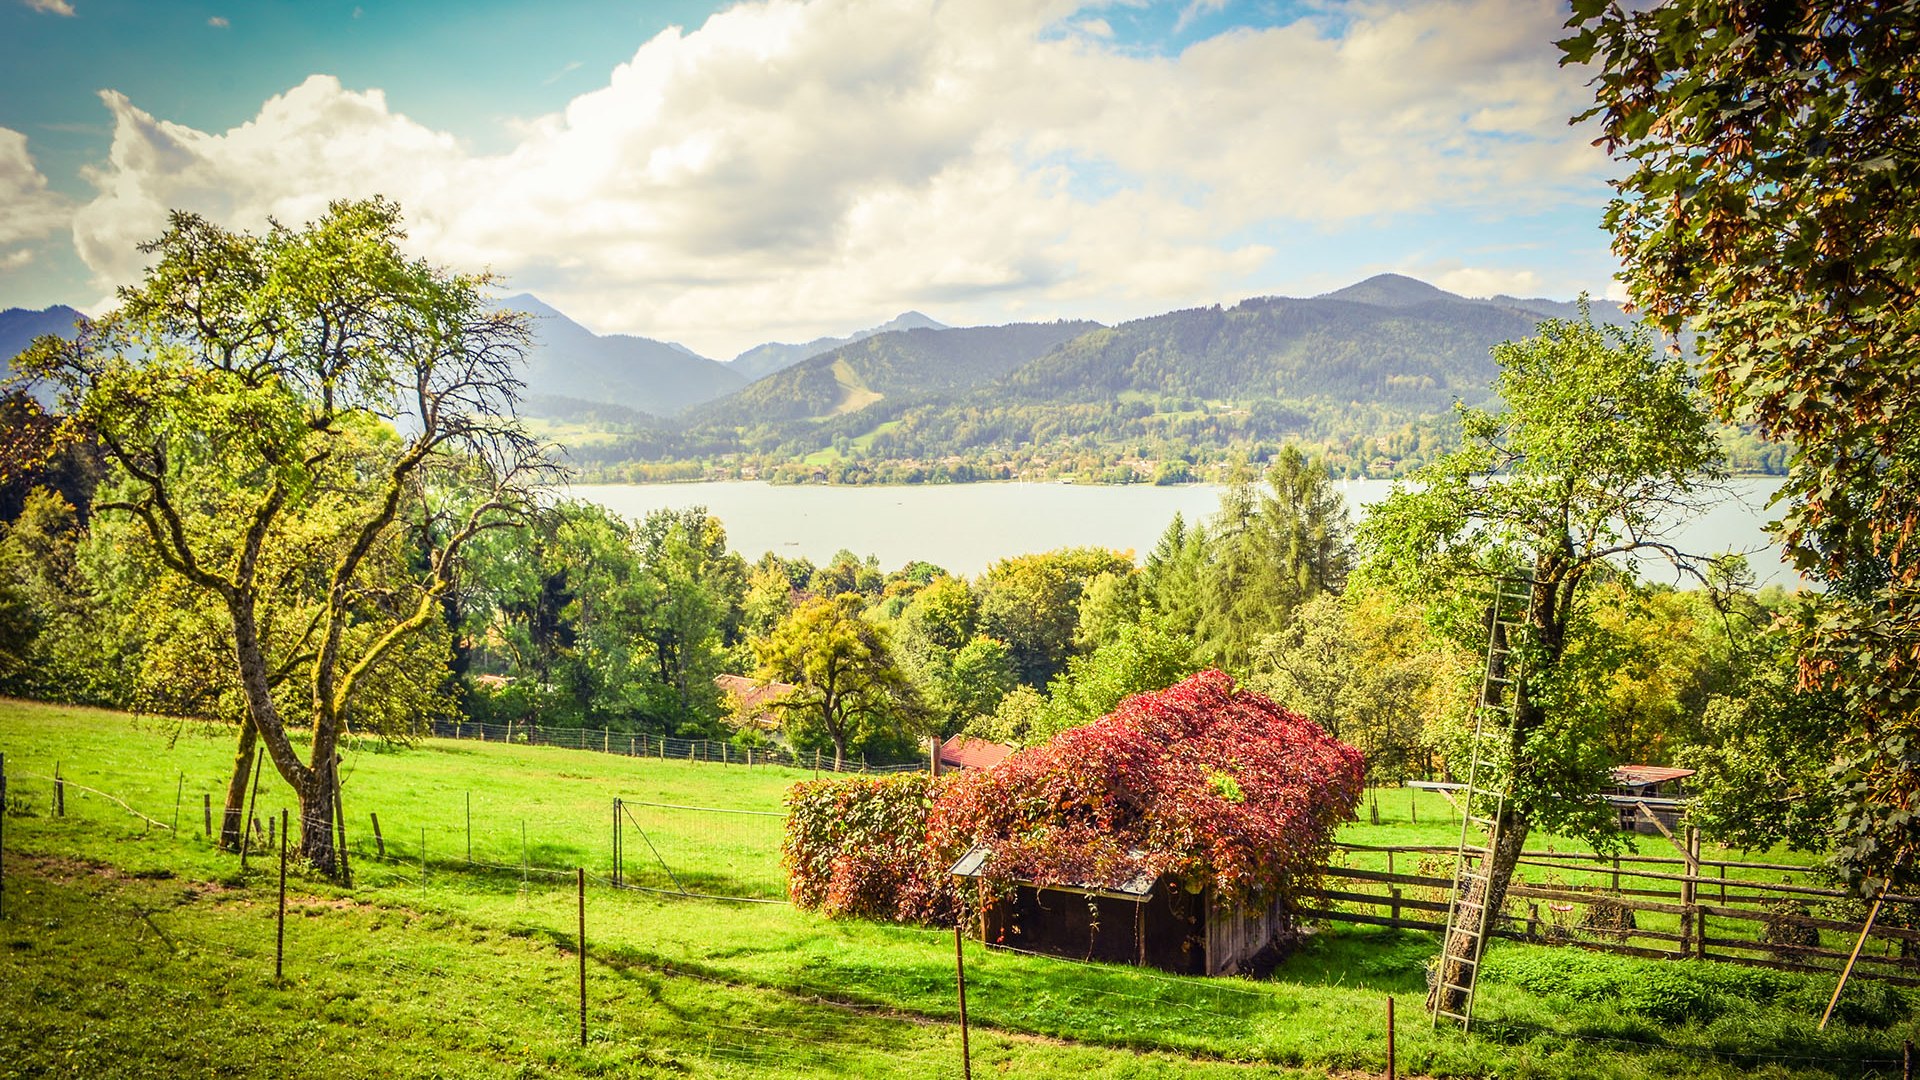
{"type": "Point", "coordinates": [966, 527]}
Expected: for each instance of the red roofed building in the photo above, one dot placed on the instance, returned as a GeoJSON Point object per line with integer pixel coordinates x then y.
{"type": "Point", "coordinates": [751, 700]}
{"type": "Point", "coordinates": [966, 752]}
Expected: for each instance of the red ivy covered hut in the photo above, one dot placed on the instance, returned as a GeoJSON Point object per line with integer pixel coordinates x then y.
{"type": "Point", "coordinates": [1175, 832]}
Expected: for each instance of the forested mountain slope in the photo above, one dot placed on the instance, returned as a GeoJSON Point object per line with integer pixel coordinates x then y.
{"type": "Point", "coordinates": [569, 361]}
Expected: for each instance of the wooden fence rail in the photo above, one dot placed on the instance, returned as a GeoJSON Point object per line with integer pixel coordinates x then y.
{"type": "Point", "coordinates": [1643, 912]}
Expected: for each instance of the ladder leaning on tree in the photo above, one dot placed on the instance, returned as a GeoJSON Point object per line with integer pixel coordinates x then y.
{"type": "Point", "coordinates": [1489, 778]}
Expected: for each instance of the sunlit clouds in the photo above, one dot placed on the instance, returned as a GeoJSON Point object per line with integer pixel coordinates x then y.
{"type": "Point", "coordinates": [788, 169]}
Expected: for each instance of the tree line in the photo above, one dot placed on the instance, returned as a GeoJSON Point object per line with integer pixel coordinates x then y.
{"type": "Point", "coordinates": [307, 510]}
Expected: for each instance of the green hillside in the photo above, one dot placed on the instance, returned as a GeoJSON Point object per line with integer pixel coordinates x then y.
{"type": "Point", "coordinates": [131, 951]}
{"type": "Point", "coordinates": [919, 363]}
{"type": "Point", "coordinates": [1367, 374]}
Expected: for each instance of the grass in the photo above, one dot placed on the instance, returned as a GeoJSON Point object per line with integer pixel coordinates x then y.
{"type": "Point", "coordinates": [128, 951]}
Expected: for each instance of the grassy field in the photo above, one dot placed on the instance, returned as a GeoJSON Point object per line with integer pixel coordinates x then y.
{"type": "Point", "coordinates": [128, 950]}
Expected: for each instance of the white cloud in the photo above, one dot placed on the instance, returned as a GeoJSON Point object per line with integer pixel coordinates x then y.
{"type": "Point", "coordinates": [794, 167]}
{"type": "Point", "coordinates": [28, 210]}
{"type": "Point", "coordinates": [1483, 281]}
{"type": "Point", "coordinates": [1194, 11]}
{"type": "Point", "coordinates": [219, 22]}
{"type": "Point", "coordinates": [50, 7]}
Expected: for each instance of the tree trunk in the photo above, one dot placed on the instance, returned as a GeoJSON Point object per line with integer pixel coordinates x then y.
{"type": "Point", "coordinates": [236, 804]}
{"type": "Point", "coordinates": [1459, 957]}
{"type": "Point", "coordinates": [316, 820]}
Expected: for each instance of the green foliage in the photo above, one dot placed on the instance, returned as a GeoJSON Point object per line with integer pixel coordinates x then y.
{"type": "Point", "coordinates": [1769, 202]}
{"type": "Point", "coordinates": [1369, 670]}
{"type": "Point", "coordinates": [1032, 603]}
{"type": "Point", "coordinates": [1604, 441]}
{"type": "Point", "coordinates": [1265, 553]}
{"type": "Point", "coordinates": [848, 691]}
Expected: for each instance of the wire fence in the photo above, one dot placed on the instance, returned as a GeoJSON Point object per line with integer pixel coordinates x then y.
{"type": "Point", "coordinates": [666, 748]}
{"type": "Point", "coordinates": [1111, 1001]}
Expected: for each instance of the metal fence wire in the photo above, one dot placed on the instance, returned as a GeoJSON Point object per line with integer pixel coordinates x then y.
{"type": "Point", "coordinates": [663, 747]}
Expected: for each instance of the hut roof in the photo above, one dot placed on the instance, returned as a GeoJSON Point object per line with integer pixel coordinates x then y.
{"type": "Point", "coordinates": [966, 752]}
{"type": "Point", "coordinates": [1136, 888]}
{"type": "Point", "coordinates": [1642, 775]}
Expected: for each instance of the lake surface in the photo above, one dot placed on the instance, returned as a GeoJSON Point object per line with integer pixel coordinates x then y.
{"type": "Point", "coordinates": [966, 527]}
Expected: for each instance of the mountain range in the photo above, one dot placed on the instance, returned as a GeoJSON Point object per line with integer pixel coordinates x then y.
{"type": "Point", "coordinates": [19, 326]}
{"type": "Point", "coordinates": [1382, 356]}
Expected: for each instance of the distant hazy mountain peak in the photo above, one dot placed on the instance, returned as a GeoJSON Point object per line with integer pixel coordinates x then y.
{"type": "Point", "coordinates": [906, 320]}
{"type": "Point", "coordinates": [1390, 290]}
{"type": "Point", "coordinates": [775, 356]}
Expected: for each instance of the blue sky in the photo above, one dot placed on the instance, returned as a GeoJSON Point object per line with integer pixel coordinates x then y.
{"type": "Point", "coordinates": [729, 174]}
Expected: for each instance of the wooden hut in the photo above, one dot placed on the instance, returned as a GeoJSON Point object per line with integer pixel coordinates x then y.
{"type": "Point", "coordinates": [1647, 797]}
{"type": "Point", "coordinates": [1142, 921]}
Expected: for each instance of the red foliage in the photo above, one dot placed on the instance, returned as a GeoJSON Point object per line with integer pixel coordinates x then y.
{"type": "Point", "coordinates": [857, 847]}
{"type": "Point", "coordinates": [1203, 782]}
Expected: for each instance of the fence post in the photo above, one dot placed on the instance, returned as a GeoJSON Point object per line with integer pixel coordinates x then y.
{"type": "Point", "coordinates": [379, 842]}
{"type": "Point", "coordinates": [1906, 1060]}
{"type": "Point", "coordinates": [960, 977]}
{"type": "Point", "coordinates": [469, 828]}
{"type": "Point", "coordinates": [340, 820]}
{"type": "Point", "coordinates": [582, 871]}
{"type": "Point", "coordinates": [1394, 892]}
{"type": "Point", "coordinates": [246, 833]}
{"type": "Point", "coordinates": [423, 855]}
{"type": "Point", "coordinates": [280, 928]}
{"type": "Point", "coordinates": [179, 789]}
{"type": "Point", "coordinates": [616, 841]}
{"type": "Point", "coordinates": [206, 814]}
{"type": "Point", "coordinates": [1390, 1061]}
{"type": "Point", "coordinates": [3, 835]}
{"type": "Point", "coordinates": [523, 851]}
{"type": "Point", "coordinates": [60, 794]}
{"type": "Point", "coordinates": [1692, 922]}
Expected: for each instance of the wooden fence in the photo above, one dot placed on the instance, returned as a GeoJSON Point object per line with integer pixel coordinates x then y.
{"type": "Point", "coordinates": [1639, 905]}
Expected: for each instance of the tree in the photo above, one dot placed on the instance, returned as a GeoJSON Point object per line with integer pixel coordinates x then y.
{"type": "Point", "coordinates": [241, 393]}
{"type": "Point", "coordinates": [1142, 657]}
{"type": "Point", "coordinates": [1366, 667]}
{"type": "Point", "coordinates": [847, 690]}
{"type": "Point", "coordinates": [687, 603]}
{"type": "Point", "coordinates": [1603, 443]}
{"type": "Point", "coordinates": [1267, 552]}
{"type": "Point", "coordinates": [1032, 602]}
{"type": "Point", "coordinates": [1771, 205]}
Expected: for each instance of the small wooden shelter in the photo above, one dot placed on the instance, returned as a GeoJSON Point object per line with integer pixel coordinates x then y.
{"type": "Point", "coordinates": [1647, 797]}
{"type": "Point", "coordinates": [1146, 922]}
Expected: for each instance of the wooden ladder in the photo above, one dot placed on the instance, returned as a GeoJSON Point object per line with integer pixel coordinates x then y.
{"type": "Point", "coordinates": [1489, 779]}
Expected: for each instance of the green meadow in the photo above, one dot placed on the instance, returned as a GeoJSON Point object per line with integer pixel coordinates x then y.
{"type": "Point", "coordinates": [130, 949]}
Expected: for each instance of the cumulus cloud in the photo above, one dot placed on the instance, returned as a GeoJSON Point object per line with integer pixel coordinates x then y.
{"type": "Point", "coordinates": [792, 165]}
{"type": "Point", "coordinates": [1487, 281]}
{"type": "Point", "coordinates": [50, 7]}
{"type": "Point", "coordinates": [219, 22]}
{"type": "Point", "coordinates": [28, 210]}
